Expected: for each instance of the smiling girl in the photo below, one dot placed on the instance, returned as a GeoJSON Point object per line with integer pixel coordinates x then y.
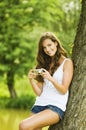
{"type": "Point", "coordinates": [51, 86]}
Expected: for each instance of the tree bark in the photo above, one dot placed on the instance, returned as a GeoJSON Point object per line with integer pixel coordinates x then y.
{"type": "Point", "coordinates": [75, 115]}
{"type": "Point", "coordinates": [10, 83]}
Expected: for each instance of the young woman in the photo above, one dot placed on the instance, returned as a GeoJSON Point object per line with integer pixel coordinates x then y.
{"type": "Point", "coordinates": [51, 84]}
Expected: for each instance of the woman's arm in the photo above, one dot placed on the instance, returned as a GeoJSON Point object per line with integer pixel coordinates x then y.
{"type": "Point", "coordinates": [67, 77]}
{"type": "Point", "coordinates": [37, 86]}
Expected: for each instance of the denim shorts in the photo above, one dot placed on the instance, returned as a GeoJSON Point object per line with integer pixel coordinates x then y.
{"type": "Point", "coordinates": [37, 109]}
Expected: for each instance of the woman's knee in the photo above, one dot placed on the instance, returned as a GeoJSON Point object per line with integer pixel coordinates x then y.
{"type": "Point", "coordinates": [23, 126]}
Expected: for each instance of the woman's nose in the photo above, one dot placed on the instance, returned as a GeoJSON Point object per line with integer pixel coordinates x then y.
{"type": "Point", "coordinates": [47, 49]}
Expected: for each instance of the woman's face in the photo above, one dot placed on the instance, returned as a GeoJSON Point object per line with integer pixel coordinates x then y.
{"type": "Point", "coordinates": [49, 47]}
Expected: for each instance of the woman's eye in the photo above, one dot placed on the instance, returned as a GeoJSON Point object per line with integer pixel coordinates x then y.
{"type": "Point", "coordinates": [49, 44]}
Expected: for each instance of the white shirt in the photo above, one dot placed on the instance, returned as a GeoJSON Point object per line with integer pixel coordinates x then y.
{"type": "Point", "coordinates": [50, 95]}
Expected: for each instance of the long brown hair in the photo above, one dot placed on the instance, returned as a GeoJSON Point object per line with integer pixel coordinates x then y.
{"type": "Point", "coordinates": [43, 60]}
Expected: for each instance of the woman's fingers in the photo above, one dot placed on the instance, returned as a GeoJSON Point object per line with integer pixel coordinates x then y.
{"type": "Point", "coordinates": [31, 74]}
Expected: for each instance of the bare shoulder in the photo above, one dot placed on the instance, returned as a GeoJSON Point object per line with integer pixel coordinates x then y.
{"type": "Point", "coordinates": [68, 64]}
{"type": "Point", "coordinates": [68, 61]}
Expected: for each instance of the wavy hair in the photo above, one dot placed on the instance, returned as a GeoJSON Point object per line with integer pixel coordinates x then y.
{"type": "Point", "coordinates": [43, 60]}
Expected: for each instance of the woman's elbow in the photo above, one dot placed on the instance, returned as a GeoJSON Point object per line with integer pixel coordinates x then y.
{"type": "Point", "coordinates": [39, 93]}
{"type": "Point", "coordinates": [64, 91]}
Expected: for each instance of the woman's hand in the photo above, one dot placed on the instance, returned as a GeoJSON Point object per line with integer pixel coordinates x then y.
{"type": "Point", "coordinates": [46, 74]}
{"type": "Point", "coordinates": [31, 75]}
{"type": "Point", "coordinates": [37, 86]}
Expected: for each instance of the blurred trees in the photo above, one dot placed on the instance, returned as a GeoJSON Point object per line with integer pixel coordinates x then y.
{"type": "Point", "coordinates": [21, 24]}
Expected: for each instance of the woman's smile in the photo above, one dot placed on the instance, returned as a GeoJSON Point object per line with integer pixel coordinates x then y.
{"type": "Point", "coordinates": [49, 47]}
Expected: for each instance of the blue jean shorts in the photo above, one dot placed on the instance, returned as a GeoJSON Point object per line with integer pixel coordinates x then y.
{"type": "Point", "coordinates": [37, 109]}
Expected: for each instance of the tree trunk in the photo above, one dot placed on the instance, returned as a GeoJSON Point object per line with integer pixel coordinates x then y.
{"type": "Point", "coordinates": [75, 116]}
{"type": "Point", "coordinates": [10, 83]}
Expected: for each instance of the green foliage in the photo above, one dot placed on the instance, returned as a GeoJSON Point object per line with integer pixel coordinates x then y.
{"type": "Point", "coordinates": [15, 46]}
{"type": "Point", "coordinates": [22, 86]}
{"type": "Point", "coordinates": [25, 94]}
{"type": "Point", "coordinates": [19, 18]}
{"type": "Point", "coordinates": [21, 24]}
{"type": "Point", "coordinates": [23, 102]}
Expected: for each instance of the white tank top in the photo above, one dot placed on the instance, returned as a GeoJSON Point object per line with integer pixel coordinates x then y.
{"type": "Point", "coordinates": [50, 95]}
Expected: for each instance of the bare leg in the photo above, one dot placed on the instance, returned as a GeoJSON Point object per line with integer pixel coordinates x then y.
{"type": "Point", "coordinates": [31, 114]}
{"type": "Point", "coordinates": [39, 120]}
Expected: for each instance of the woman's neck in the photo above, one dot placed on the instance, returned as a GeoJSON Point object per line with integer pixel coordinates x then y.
{"type": "Point", "coordinates": [61, 59]}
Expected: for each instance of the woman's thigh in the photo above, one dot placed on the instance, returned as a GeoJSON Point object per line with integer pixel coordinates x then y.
{"type": "Point", "coordinates": [31, 114]}
{"type": "Point", "coordinates": [41, 119]}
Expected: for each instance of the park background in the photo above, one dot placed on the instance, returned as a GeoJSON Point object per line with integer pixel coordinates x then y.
{"type": "Point", "coordinates": [21, 24]}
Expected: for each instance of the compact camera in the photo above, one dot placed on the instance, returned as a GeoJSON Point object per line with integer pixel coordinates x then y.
{"type": "Point", "coordinates": [38, 71]}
